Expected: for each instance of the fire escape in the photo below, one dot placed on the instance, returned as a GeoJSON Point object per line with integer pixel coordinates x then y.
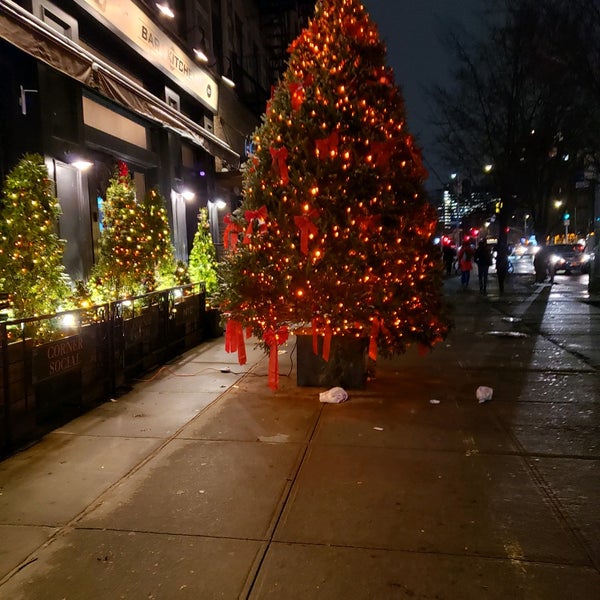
{"type": "Point", "coordinates": [281, 22]}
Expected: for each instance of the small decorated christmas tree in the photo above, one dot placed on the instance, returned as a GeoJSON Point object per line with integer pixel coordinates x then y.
{"type": "Point", "coordinates": [203, 257]}
{"type": "Point", "coordinates": [123, 268]}
{"type": "Point", "coordinates": [334, 231]}
{"type": "Point", "coordinates": [158, 247]}
{"type": "Point", "coordinates": [31, 253]}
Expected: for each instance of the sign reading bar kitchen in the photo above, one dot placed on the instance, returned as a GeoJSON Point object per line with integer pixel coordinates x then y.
{"type": "Point", "coordinates": [56, 358]}
{"type": "Point", "coordinates": [138, 30]}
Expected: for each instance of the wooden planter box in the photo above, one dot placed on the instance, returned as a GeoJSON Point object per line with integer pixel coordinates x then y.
{"type": "Point", "coordinates": [346, 368]}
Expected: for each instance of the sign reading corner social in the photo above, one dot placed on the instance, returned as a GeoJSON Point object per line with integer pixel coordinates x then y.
{"type": "Point", "coordinates": [139, 31]}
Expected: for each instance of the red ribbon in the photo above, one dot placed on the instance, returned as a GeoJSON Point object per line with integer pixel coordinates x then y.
{"type": "Point", "coordinates": [230, 235]}
{"type": "Point", "coordinates": [306, 227]}
{"type": "Point", "coordinates": [123, 170]}
{"type": "Point", "coordinates": [327, 145]}
{"type": "Point", "coordinates": [279, 157]}
{"type": "Point", "coordinates": [273, 339]}
{"type": "Point", "coordinates": [250, 215]}
{"type": "Point", "coordinates": [375, 327]}
{"type": "Point", "coordinates": [296, 95]}
{"type": "Point", "coordinates": [234, 340]}
{"type": "Point", "coordinates": [382, 152]}
{"type": "Point", "coordinates": [326, 340]}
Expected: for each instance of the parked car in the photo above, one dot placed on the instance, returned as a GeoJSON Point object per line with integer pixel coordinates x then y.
{"type": "Point", "coordinates": [569, 258]}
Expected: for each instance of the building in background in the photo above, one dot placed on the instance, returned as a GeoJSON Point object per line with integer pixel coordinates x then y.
{"type": "Point", "coordinates": [87, 83]}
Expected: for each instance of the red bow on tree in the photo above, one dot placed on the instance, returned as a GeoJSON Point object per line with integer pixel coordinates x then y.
{"type": "Point", "coordinates": [306, 227]}
{"type": "Point", "coordinates": [250, 215]}
{"type": "Point", "coordinates": [279, 157]}
{"type": "Point", "coordinates": [274, 338]}
{"type": "Point", "coordinates": [296, 95]}
{"type": "Point", "coordinates": [230, 235]}
{"type": "Point", "coordinates": [328, 145]}
{"type": "Point", "coordinates": [123, 170]}
{"type": "Point", "coordinates": [381, 152]}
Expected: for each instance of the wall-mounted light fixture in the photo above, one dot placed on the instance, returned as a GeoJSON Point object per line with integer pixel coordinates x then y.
{"type": "Point", "coordinates": [201, 49]}
{"type": "Point", "coordinates": [227, 76]}
{"type": "Point", "coordinates": [200, 54]}
{"type": "Point", "coordinates": [165, 9]}
{"type": "Point", "coordinates": [188, 194]}
{"type": "Point", "coordinates": [80, 162]}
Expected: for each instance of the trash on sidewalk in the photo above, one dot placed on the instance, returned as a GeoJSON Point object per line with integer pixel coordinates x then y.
{"type": "Point", "coordinates": [334, 396]}
{"type": "Point", "coordinates": [511, 334]}
{"type": "Point", "coordinates": [484, 393]}
{"type": "Point", "coordinates": [434, 401]}
{"type": "Point", "coordinates": [378, 428]}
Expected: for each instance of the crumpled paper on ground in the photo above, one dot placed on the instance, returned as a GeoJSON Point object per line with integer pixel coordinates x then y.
{"type": "Point", "coordinates": [334, 396]}
{"type": "Point", "coordinates": [484, 393]}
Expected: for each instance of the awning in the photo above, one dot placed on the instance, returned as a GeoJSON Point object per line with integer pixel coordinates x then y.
{"type": "Point", "coordinates": [27, 32]}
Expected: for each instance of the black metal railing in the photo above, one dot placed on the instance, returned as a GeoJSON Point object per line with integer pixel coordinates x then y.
{"type": "Point", "coordinates": [55, 367]}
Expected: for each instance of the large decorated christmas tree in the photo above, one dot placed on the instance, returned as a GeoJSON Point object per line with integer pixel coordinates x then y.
{"type": "Point", "coordinates": [334, 232]}
{"type": "Point", "coordinates": [31, 252]}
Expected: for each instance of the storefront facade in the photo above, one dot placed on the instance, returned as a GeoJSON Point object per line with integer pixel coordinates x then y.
{"type": "Point", "coordinates": [83, 83]}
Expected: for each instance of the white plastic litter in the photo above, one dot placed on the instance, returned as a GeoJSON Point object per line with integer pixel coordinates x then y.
{"type": "Point", "coordinates": [434, 401]}
{"type": "Point", "coordinates": [334, 396]}
{"type": "Point", "coordinates": [484, 393]}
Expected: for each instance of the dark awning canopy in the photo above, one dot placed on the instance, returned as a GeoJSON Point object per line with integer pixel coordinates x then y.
{"type": "Point", "coordinates": [25, 31]}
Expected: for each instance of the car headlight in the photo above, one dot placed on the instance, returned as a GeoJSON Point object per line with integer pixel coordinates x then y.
{"type": "Point", "coordinates": [585, 257]}
{"type": "Point", "coordinates": [555, 259]}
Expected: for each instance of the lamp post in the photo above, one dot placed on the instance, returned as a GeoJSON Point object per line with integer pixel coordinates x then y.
{"type": "Point", "coordinates": [525, 227]}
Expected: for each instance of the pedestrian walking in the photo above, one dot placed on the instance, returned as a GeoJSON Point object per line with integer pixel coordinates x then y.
{"type": "Point", "coordinates": [483, 260]}
{"type": "Point", "coordinates": [448, 254]}
{"type": "Point", "coordinates": [503, 265]}
{"type": "Point", "coordinates": [465, 262]}
{"type": "Point", "coordinates": [542, 266]}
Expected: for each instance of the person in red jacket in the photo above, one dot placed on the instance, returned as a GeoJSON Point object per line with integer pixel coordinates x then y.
{"type": "Point", "coordinates": [465, 262]}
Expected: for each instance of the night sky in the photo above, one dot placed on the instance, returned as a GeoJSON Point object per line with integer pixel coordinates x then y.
{"type": "Point", "coordinates": [410, 31]}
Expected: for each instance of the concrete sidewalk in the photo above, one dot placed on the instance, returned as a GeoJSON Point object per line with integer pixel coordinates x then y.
{"type": "Point", "coordinates": [205, 484]}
